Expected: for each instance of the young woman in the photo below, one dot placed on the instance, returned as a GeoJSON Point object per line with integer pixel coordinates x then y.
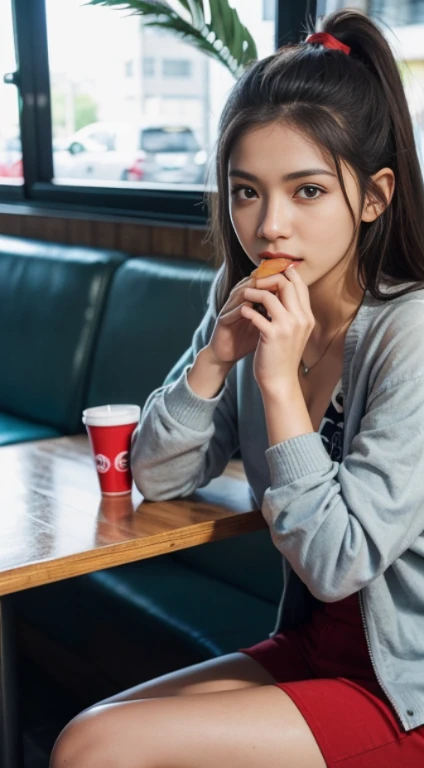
{"type": "Point", "coordinates": [323, 391]}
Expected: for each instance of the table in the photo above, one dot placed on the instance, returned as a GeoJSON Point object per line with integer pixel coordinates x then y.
{"type": "Point", "coordinates": [54, 525]}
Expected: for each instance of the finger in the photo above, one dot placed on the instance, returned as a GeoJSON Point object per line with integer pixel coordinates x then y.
{"type": "Point", "coordinates": [296, 298]}
{"type": "Point", "coordinates": [269, 283]}
{"type": "Point", "coordinates": [234, 314]}
{"type": "Point", "coordinates": [269, 280]}
{"type": "Point", "coordinates": [239, 287]}
{"type": "Point", "coordinates": [302, 289]}
{"type": "Point", "coordinates": [236, 293]}
{"type": "Point", "coordinates": [289, 297]}
{"type": "Point", "coordinates": [278, 280]}
{"type": "Point", "coordinates": [260, 322]}
{"type": "Point", "coordinates": [274, 283]}
{"type": "Point", "coordinates": [244, 281]}
{"type": "Point", "coordinates": [285, 290]}
{"type": "Point", "coordinates": [271, 303]}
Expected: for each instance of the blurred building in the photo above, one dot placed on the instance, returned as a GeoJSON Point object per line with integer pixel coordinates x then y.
{"type": "Point", "coordinates": [183, 85]}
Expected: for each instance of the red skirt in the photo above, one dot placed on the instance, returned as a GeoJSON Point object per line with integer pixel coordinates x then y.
{"type": "Point", "coordinates": [325, 668]}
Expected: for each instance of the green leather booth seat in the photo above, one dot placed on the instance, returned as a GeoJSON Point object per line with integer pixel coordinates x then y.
{"type": "Point", "coordinates": [51, 303]}
{"type": "Point", "coordinates": [152, 311]}
{"type": "Point", "coordinates": [142, 620]}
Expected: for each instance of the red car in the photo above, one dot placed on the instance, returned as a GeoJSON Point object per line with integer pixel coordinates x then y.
{"type": "Point", "coordinates": [11, 158]}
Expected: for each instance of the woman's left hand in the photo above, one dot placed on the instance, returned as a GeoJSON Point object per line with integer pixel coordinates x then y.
{"type": "Point", "coordinates": [283, 337]}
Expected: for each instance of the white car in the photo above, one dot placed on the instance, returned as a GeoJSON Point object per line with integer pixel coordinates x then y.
{"type": "Point", "coordinates": [126, 152]}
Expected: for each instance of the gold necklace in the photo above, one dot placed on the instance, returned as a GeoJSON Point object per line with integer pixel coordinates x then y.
{"type": "Point", "coordinates": [307, 368]}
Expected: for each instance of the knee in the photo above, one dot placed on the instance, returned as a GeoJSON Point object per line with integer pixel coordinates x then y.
{"type": "Point", "coordinates": [79, 745]}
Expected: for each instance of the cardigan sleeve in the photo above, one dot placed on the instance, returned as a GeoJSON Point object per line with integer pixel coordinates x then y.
{"type": "Point", "coordinates": [183, 441]}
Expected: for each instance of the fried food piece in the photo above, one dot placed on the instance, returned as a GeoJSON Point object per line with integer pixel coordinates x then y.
{"type": "Point", "coordinates": [269, 267]}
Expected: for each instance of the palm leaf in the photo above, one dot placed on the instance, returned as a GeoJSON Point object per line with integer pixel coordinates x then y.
{"type": "Point", "coordinates": [197, 11]}
{"type": "Point", "coordinates": [225, 38]}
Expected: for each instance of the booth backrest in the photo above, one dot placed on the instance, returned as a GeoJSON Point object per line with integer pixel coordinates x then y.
{"type": "Point", "coordinates": [51, 302]}
{"type": "Point", "coordinates": [250, 562]}
{"type": "Point", "coordinates": [153, 308]}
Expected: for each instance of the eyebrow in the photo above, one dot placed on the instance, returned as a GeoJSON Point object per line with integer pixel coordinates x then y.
{"type": "Point", "coordinates": [287, 177]}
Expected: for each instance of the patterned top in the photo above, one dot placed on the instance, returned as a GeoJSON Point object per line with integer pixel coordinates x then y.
{"type": "Point", "coordinates": [331, 427]}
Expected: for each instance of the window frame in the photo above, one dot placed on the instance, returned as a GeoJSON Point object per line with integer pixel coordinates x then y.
{"type": "Point", "coordinates": [184, 205]}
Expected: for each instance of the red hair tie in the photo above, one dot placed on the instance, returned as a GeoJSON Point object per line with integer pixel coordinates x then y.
{"type": "Point", "coordinates": [328, 41]}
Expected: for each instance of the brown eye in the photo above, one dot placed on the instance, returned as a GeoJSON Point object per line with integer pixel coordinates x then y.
{"type": "Point", "coordinates": [243, 193]}
{"type": "Point", "coordinates": [311, 192]}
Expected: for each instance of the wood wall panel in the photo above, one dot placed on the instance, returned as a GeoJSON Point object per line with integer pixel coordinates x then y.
{"type": "Point", "coordinates": [42, 228]}
{"type": "Point", "coordinates": [169, 241]}
{"type": "Point", "coordinates": [11, 225]}
{"type": "Point", "coordinates": [197, 247]}
{"type": "Point", "coordinates": [77, 232]}
{"type": "Point", "coordinates": [104, 234]}
{"type": "Point", "coordinates": [51, 228]}
{"type": "Point", "coordinates": [133, 238]}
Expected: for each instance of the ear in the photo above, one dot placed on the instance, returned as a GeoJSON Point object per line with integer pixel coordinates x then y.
{"type": "Point", "coordinates": [385, 180]}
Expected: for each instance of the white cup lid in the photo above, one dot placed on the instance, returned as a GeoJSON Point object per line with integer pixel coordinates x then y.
{"type": "Point", "coordinates": [111, 415]}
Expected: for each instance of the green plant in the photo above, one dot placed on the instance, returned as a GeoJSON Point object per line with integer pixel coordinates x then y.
{"type": "Point", "coordinates": [224, 38]}
{"type": "Point", "coordinates": [85, 110]}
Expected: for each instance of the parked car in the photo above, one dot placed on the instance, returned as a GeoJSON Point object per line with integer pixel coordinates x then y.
{"type": "Point", "coordinates": [126, 152]}
{"type": "Point", "coordinates": [11, 158]}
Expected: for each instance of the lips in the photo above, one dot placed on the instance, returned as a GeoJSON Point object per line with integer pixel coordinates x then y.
{"type": "Point", "coordinates": [269, 255]}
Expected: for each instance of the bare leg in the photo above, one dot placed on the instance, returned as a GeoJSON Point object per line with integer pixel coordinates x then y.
{"type": "Point", "coordinates": [174, 721]}
{"type": "Point", "coordinates": [225, 673]}
{"type": "Point", "coordinates": [243, 728]}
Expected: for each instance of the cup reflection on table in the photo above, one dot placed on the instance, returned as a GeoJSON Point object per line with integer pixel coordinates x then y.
{"type": "Point", "coordinates": [110, 429]}
{"type": "Point", "coordinates": [115, 517]}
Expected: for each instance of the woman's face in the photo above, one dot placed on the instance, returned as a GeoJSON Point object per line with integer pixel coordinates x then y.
{"type": "Point", "coordinates": [286, 199]}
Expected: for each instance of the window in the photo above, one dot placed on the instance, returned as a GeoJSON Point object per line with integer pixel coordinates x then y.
{"type": "Point", "coordinates": [11, 171]}
{"type": "Point", "coordinates": [139, 110]}
{"type": "Point", "coordinates": [86, 119]}
{"type": "Point", "coordinates": [176, 68]}
{"type": "Point", "coordinates": [148, 66]}
{"type": "Point", "coordinates": [129, 68]}
{"type": "Point", "coordinates": [268, 10]}
{"type": "Point", "coordinates": [398, 14]}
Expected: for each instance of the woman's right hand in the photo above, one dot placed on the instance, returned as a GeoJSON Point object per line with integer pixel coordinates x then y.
{"type": "Point", "coordinates": [234, 336]}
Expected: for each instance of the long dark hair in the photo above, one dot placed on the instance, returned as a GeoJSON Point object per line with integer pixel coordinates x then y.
{"type": "Point", "coordinates": [354, 107]}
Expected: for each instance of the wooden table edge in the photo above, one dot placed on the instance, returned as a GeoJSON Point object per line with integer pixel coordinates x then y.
{"type": "Point", "coordinates": [129, 551]}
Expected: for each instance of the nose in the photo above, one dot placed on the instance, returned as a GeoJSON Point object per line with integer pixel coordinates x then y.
{"type": "Point", "coordinates": [275, 220]}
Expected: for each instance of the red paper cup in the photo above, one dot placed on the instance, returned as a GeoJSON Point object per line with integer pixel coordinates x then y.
{"type": "Point", "coordinates": [110, 429]}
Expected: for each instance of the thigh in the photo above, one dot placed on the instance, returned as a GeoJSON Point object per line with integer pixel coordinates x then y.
{"type": "Point", "coordinates": [248, 728]}
{"type": "Point", "coordinates": [229, 672]}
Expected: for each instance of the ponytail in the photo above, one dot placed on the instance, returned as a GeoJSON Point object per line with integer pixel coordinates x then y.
{"type": "Point", "coordinates": [405, 254]}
